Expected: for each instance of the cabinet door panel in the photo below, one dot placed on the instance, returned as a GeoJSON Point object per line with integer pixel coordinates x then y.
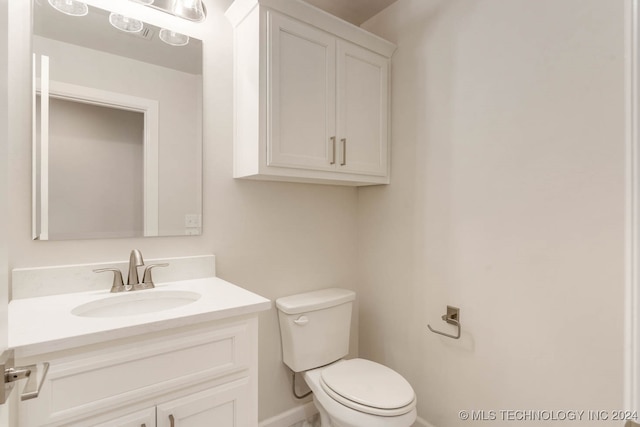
{"type": "Point", "coordinates": [363, 92]}
{"type": "Point", "coordinates": [221, 406]}
{"type": "Point", "coordinates": [146, 417]}
{"type": "Point", "coordinates": [301, 92]}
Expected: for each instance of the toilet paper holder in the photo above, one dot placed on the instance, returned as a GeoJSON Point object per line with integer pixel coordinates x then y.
{"type": "Point", "coordinates": [453, 318]}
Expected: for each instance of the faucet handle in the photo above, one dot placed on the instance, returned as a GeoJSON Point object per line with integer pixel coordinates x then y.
{"type": "Point", "coordinates": [147, 280]}
{"type": "Point", "coordinates": [118, 284]}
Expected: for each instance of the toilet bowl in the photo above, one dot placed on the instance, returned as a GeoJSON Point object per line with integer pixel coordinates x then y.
{"type": "Point", "coordinates": [361, 393]}
{"type": "Point", "coordinates": [315, 328]}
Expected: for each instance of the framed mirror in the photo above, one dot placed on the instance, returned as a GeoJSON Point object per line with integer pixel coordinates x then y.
{"type": "Point", "coordinates": [117, 148]}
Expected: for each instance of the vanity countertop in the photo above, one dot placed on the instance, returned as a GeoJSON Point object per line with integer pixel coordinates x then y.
{"type": "Point", "coordinates": [43, 324]}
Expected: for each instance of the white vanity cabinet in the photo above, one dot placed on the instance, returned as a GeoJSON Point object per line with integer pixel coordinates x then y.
{"type": "Point", "coordinates": [203, 375]}
{"type": "Point", "coordinates": [311, 96]}
{"type": "Point", "coordinates": [224, 406]}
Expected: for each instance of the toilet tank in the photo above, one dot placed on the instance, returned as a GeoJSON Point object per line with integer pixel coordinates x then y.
{"type": "Point", "coordinates": [315, 327]}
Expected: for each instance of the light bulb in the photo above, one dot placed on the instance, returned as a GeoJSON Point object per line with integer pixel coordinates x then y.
{"type": "Point", "coordinates": [173, 38]}
{"type": "Point", "coordinates": [124, 23]}
{"type": "Point", "coordinates": [192, 10]}
{"type": "Point", "coordinates": [70, 7]}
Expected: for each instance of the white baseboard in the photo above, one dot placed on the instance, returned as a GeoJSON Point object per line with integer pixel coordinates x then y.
{"type": "Point", "coordinates": [299, 414]}
{"type": "Point", "coordinates": [291, 417]}
{"type": "Point", "coordinates": [422, 423]}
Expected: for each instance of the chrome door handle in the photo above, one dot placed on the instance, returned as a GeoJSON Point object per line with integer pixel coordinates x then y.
{"type": "Point", "coordinates": [344, 151]}
{"type": "Point", "coordinates": [34, 384]}
{"type": "Point", "coordinates": [11, 374]}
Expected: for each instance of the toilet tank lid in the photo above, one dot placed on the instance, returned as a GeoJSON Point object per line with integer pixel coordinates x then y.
{"type": "Point", "coordinates": [316, 300]}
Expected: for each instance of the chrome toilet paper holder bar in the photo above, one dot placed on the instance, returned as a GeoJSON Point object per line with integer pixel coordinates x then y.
{"type": "Point", "coordinates": [453, 318]}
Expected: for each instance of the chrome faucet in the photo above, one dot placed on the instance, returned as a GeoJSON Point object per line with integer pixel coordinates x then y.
{"type": "Point", "coordinates": [135, 261]}
{"type": "Point", "coordinates": [133, 281]}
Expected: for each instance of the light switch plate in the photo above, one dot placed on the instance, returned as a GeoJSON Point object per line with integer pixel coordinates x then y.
{"type": "Point", "coordinates": [192, 220]}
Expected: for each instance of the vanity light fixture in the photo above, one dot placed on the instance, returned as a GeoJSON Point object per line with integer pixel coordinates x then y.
{"type": "Point", "coordinates": [192, 10]}
{"type": "Point", "coordinates": [124, 23]}
{"type": "Point", "coordinates": [70, 7]}
{"type": "Point", "coordinates": [173, 38]}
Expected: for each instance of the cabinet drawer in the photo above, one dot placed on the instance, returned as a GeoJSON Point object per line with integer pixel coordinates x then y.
{"type": "Point", "coordinates": [136, 372]}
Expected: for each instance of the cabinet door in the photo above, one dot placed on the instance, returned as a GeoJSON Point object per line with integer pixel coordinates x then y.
{"type": "Point", "coordinates": [221, 406]}
{"type": "Point", "coordinates": [301, 95]}
{"type": "Point", "coordinates": [363, 110]}
{"type": "Point", "coordinates": [144, 418]}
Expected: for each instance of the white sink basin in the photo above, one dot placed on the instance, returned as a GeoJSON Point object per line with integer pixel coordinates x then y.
{"type": "Point", "coordinates": [136, 302]}
{"type": "Point", "coordinates": [85, 318]}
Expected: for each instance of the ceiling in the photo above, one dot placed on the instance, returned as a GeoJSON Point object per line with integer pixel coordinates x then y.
{"type": "Point", "coordinates": [354, 11]}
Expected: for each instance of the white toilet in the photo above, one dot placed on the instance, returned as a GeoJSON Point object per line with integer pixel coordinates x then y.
{"type": "Point", "coordinates": [315, 330]}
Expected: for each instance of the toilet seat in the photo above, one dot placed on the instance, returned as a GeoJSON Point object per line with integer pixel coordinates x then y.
{"type": "Point", "coordinates": [368, 387]}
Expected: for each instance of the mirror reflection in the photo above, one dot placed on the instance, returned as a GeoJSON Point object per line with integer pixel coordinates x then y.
{"type": "Point", "coordinates": [117, 127]}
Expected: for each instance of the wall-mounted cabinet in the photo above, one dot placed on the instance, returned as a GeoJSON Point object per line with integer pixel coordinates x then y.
{"type": "Point", "coordinates": [311, 96]}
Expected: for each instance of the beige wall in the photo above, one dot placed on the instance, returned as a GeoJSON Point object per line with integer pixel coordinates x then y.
{"type": "Point", "coordinates": [275, 239]}
{"type": "Point", "coordinates": [507, 200]}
